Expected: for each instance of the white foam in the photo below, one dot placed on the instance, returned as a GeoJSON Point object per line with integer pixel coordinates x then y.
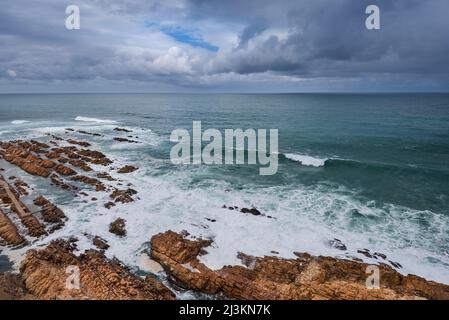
{"type": "Point", "coordinates": [306, 160]}
{"type": "Point", "coordinates": [87, 119]}
{"type": "Point", "coordinates": [19, 121]}
{"type": "Point", "coordinates": [306, 219]}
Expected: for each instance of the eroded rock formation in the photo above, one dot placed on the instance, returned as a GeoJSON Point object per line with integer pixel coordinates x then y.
{"type": "Point", "coordinates": [306, 277]}
{"type": "Point", "coordinates": [45, 273]}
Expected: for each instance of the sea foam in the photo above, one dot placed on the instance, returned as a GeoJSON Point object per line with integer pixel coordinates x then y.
{"type": "Point", "coordinates": [19, 121]}
{"type": "Point", "coordinates": [87, 119]}
{"type": "Point", "coordinates": [306, 160]}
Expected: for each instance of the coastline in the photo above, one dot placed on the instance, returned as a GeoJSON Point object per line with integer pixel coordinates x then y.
{"type": "Point", "coordinates": [66, 162]}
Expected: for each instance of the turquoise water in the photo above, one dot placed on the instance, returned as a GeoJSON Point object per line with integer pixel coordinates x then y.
{"type": "Point", "coordinates": [369, 169]}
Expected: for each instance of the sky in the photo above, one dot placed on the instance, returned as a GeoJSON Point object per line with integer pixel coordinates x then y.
{"type": "Point", "coordinates": [224, 46]}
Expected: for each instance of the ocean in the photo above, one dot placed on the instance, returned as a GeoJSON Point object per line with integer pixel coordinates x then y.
{"type": "Point", "coordinates": [371, 170]}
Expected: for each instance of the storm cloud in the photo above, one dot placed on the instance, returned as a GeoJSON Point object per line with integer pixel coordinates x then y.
{"type": "Point", "coordinates": [212, 45]}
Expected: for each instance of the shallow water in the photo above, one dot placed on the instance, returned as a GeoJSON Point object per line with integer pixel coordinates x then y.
{"type": "Point", "coordinates": [370, 170]}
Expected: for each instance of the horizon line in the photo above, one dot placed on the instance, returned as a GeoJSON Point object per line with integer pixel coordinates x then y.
{"type": "Point", "coordinates": [226, 92]}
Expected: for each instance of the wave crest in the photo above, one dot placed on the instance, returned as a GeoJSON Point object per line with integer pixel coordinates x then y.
{"type": "Point", "coordinates": [306, 160]}
{"type": "Point", "coordinates": [87, 119]}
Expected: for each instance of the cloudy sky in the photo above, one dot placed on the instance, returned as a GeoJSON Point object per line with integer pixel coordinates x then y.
{"type": "Point", "coordinates": [224, 46]}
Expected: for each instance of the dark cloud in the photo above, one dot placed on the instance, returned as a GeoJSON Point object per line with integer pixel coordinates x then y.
{"type": "Point", "coordinates": [286, 45]}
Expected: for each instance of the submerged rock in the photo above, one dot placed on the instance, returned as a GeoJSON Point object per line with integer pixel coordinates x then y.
{"type": "Point", "coordinates": [267, 278]}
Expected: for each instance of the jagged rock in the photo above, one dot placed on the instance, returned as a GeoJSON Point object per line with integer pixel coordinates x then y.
{"type": "Point", "coordinates": [117, 227]}
{"type": "Point", "coordinates": [8, 231]}
{"type": "Point", "coordinates": [65, 171]}
{"type": "Point", "coordinates": [44, 273]}
{"type": "Point", "coordinates": [122, 130]}
{"type": "Point", "coordinates": [125, 140]}
{"type": "Point", "coordinates": [9, 197]}
{"type": "Point", "coordinates": [58, 181]}
{"type": "Point", "coordinates": [109, 205]}
{"type": "Point", "coordinates": [50, 213]}
{"type": "Point", "coordinates": [127, 169]}
{"type": "Point", "coordinates": [123, 196]}
{"type": "Point", "coordinates": [100, 243]}
{"type": "Point", "coordinates": [79, 143]}
{"type": "Point", "coordinates": [90, 133]}
{"type": "Point", "coordinates": [269, 278]}
{"type": "Point", "coordinates": [105, 175]}
{"type": "Point", "coordinates": [99, 186]}
{"type": "Point", "coordinates": [21, 187]}
{"type": "Point", "coordinates": [337, 244]}
{"type": "Point", "coordinates": [12, 287]}
{"type": "Point", "coordinates": [80, 164]}
{"type": "Point", "coordinates": [252, 211]}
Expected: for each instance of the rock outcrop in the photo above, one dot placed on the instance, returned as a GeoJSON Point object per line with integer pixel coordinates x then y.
{"type": "Point", "coordinates": [306, 277]}
{"type": "Point", "coordinates": [12, 287]}
{"type": "Point", "coordinates": [117, 227]}
{"type": "Point", "coordinates": [100, 243]}
{"type": "Point", "coordinates": [127, 169]}
{"type": "Point", "coordinates": [46, 273]}
{"type": "Point", "coordinates": [8, 231]}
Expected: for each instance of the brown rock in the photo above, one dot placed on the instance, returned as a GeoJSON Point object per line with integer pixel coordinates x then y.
{"type": "Point", "coordinates": [9, 197]}
{"type": "Point", "coordinates": [99, 186]}
{"type": "Point", "coordinates": [269, 278]}
{"type": "Point", "coordinates": [123, 196]}
{"type": "Point", "coordinates": [117, 227]}
{"type": "Point", "coordinates": [109, 205]}
{"type": "Point", "coordinates": [12, 287]}
{"type": "Point", "coordinates": [79, 143]}
{"type": "Point", "coordinates": [8, 231]}
{"type": "Point", "coordinates": [50, 213]}
{"type": "Point", "coordinates": [65, 171]}
{"type": "Point", "coordinates": [105, 175]}
{"type": "Point", "coordinates": [100, 243]}
{"type": "Point", "coordinates": [127, 169]}
{"type": "Point", "coordinates": [80, 164]}
{"type": "Point", "coordinates": [44, 274]}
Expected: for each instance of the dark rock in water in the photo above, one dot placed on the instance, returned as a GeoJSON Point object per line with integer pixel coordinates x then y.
{"type": "Point", "coordinates": [127, 169]}
{"type": "Point", "coordinates": [397, 265]}
{"type": "Point", "coordinates": [123, 196]}
{"type": "Point", "coordinates": [379, 255]}
{"type": "Point", "coordinates": [337, 244]}
{"type": "Point", "coordinates": [80, 143]}
{"type": "Point", "coordinates": [122, 130]}
{"type": "Point", "coordinates": [118, 227]}
{"type": "Point", "coordinates": [109, 205]}
{"type": "Point", "coordinates": [100, 243]}
{"type": "Point", "coordinates": [252, 211]}
{"type": "Point", "coordinates": [125, 140]}
{"type": "Point", "coordinates": [365, 252]}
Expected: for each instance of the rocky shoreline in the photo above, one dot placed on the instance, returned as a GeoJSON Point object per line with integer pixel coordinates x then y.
{"type": "Point", "coordinates": [72, 165]}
